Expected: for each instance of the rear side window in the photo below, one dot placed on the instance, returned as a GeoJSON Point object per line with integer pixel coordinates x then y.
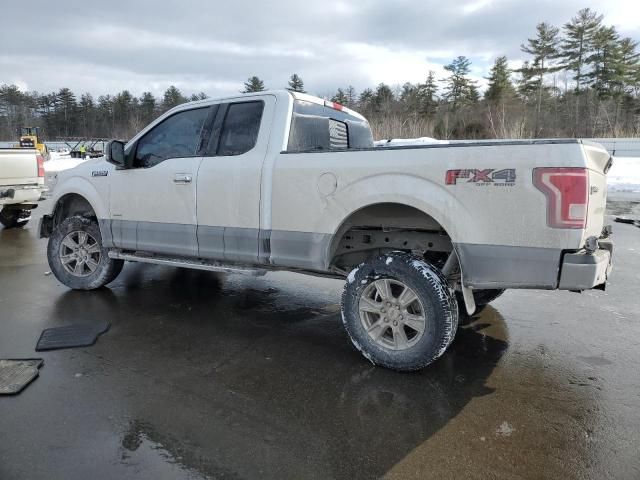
{"type": "Point", "coordinates": [240, 129]}
{"type": "Point", "coordinates": [316, 127]}
{"type": "Point", "coordinates": [177, 136]}
{"type": "Point", "coordinates": [338, 135]}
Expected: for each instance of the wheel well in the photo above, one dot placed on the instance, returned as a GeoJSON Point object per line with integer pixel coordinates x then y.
{"type": "Point", "coordinates": [384, 227]}
{"type": "Point", "coordinates": [71, 205]}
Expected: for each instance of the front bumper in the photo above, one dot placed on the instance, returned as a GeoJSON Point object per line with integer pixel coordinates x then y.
{"type": "Point", "coordinates": [583, 270]}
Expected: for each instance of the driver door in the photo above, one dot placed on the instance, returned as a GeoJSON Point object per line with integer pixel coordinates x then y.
{"type": "Point", "coordinates": [153, 204]}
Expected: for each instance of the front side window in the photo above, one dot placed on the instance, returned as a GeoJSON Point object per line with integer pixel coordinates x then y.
{"type": "Point", "coordinates": [240, 129]}
{"type": "Point", "coordinates": [177, 136]}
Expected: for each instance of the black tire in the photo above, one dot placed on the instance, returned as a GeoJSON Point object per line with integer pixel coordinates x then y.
{"type": "Point", "coordinates": [436, 301]}
{"type": "Point", "coordinates": [482, 298]}
{"type": "Point", "coordinates": [14, 217]}
{"type": "Point", "coordinates": [107, 269]}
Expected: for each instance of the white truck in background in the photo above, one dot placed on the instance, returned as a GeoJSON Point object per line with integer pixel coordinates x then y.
{"type": "Point", "coordinates": [21, 185]}
{"type": "Point", "coordinates": [286, 181]}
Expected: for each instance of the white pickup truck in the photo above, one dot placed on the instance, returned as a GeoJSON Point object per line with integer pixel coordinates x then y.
{"type": "Point", "coordinates": [21, 185]}
{"type": "Point", "coordinates": [285, 181]}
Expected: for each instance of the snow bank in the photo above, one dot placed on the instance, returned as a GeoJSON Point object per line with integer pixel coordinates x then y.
{"type": "Point", "coordinates": [624, 175]}
{"type": "Point", "coordinates": [62, 163]}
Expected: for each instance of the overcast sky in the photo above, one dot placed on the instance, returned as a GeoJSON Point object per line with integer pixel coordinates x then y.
{"type": "Point", "coordinates": [198, 46]}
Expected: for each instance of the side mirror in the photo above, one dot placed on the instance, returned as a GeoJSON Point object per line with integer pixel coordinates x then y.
{"type": "Point", "coordinates": [115, 153]}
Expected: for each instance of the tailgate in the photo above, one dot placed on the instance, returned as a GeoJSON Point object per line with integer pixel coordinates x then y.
{"type": "Point", "coordinates": [18, 167]}
{"type": "Point", "coordinates": [597, 159]}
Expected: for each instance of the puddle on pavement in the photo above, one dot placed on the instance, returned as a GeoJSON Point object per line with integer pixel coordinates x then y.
{"type": "Point", "coordinates": [238, 376]}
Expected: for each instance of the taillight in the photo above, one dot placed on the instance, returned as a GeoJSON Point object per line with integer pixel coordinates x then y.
{"type": "Point", "coordinates": [567, 195]}
{"type": "Point", "coordinates": [40, 165]}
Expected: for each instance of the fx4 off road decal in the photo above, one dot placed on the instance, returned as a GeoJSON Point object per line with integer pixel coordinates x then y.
{"type": "Point", "coordinates": [489, 176]}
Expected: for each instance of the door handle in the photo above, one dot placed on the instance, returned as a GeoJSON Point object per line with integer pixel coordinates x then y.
{"type": "Point", "coordinates": [182, 178]}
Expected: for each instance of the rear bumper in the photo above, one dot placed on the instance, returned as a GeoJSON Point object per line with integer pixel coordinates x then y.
{"type": "Point", "coordinates": [583, 270]}
{"type": "Point", "coordinates": [11, 195]}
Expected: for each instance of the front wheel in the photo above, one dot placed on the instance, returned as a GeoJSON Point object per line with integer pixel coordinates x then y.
{"type": "Point", "coordinates": [77, 257]}
{"type": "Point", "coordinates": [399, 311]}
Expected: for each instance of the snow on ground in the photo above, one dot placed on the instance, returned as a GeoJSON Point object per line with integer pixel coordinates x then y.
{"type": "Point", "coordinates": [61, 161]}
{"type": "Point", "coordinates": [624, 175]}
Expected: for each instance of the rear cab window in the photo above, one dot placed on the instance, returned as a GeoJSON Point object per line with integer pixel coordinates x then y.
{"type": "Point", "coordinates": [240, 128]}
{"type": "Point", "coordinates": [316, 127]}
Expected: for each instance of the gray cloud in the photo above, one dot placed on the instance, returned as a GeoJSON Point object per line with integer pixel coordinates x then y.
{"type": "Point", "coordinates": [198, 45]}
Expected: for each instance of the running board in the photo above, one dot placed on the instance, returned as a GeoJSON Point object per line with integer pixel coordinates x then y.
{"type": "Point", "coordinates": [210, 266]}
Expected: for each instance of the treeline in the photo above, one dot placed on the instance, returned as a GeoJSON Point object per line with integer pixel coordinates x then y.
{"type": "Point", "coordinates": [579, 80]}
{"type": "Point", "coordinates": [64, 114]}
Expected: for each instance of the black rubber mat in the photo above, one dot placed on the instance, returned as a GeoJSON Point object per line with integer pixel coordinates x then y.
{"type": "Point", "coordinates": [631, 221]}
{"type": "Point", "coordinates": [17, 374]}
{"type": "Point", "coordinates": [70, 336]}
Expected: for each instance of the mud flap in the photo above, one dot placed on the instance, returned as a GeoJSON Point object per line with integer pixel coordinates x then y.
{"type": "Point", "coordinates": [469, 301]}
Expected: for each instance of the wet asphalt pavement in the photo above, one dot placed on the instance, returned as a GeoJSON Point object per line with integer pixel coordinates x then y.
{"type": "Point", "coordinates": [225, 376]}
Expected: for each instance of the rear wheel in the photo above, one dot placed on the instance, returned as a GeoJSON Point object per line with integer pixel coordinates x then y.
{"type": "Point", "coordinates": [399, 311]}
{"type": "Point", "coordinates": [15, 217]}
{"type": "Point", "coordinates": [77, 257]}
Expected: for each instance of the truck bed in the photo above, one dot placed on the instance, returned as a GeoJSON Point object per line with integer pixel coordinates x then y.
{"type": "Point", "coordinates": [18, 166]}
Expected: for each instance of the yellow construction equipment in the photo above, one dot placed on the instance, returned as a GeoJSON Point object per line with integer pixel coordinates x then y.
{"type": "Point", "coordinates": [30, 138]}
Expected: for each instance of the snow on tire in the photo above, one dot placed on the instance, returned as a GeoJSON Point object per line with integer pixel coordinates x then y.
{"type": "Point", "coordinates": [399, 311]}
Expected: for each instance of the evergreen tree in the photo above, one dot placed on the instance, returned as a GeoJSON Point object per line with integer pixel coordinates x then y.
{"type": "Point", "coordinates": [428, 99]}
{"type": "Point", "coordinates": [628, 65]}
{"type": "Point", "coordinates": [296, 84]}
{"type": "Point", "coordinates": [500, 87]}
{"type": "Point", "coordinates": [577, 44]}
{"type": "Point", "coordinates": [106, 115]}
{"type": "Point", "coordinates": [253, 84]}
{"type": "Point", "coordinates": [577, 47]}
{"type": "Point", "coordinates": [410, 98]}
{"type": "Point", "coordinates": [527, 84]}
{"type": "Point", "coordinates": [340, 97]}
{"type": "Point", "coordinates": [65, 111]}
{"type": "Point", "coordinates": [11, 102]}
{"type": "Point", "coordinates": [366, 99]}
{"type": "Point", "coordinates": [544, 49]}
{"type": "Point", "coordinates": [383, 97]}
{"type": "Point", "coordinates": [351, 95]}
{"type": "Point", "coordinates": [459, 89]}
{"type": "Point", "coordinates": [172, 98]}
{"type": "Point", "coordinates": [86, 115]}
{"type": "Point", "coordinates": [148, 106]}
{"type": "Point", "coordinates": [194, 97]}
{"type": "Point", "coordinates": [604, 75]}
